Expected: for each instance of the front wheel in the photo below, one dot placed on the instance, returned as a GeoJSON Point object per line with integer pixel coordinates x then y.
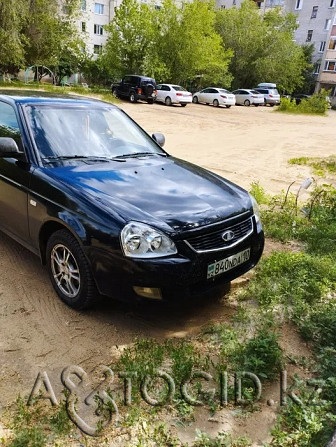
{"type": "Point", "coordinates": [247, 103]}
{"type": "Point", "coordinates": [69, 271]}
{"type": "Point", "coordinates": [215, 103]}
{"type": "Point", "coordinates": [195, 100]}
{"type": "Point", "coordinates": [168, 101]}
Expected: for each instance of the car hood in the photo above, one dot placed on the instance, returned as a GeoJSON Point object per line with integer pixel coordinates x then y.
{"type": "Point", "coordinates": [177, 193]}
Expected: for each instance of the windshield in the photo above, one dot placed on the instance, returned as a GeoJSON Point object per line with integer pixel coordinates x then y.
{"type": "Point", "coordinates": [61, 131]}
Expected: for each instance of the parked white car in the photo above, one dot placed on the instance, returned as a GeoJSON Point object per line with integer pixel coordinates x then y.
{"type": "Point", "coordinates": [173, 94]}
{"type": "Point", "coordinates": [246, 97]}
{"type": "Point", "coordinates": [215, 96]}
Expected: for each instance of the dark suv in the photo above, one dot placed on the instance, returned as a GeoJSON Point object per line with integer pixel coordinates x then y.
{"type": "Point", "coordinates": [135, 87]}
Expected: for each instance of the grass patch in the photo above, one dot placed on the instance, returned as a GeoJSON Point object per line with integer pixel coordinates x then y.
{"type": "Point", "coordinates": [301, 287]}
{"type": "Point", "coordinates": [315, 105]}
{"type": "Point", "coordinates": [321, 166]}
{"type": "Point", "coordinates": [95, 92]}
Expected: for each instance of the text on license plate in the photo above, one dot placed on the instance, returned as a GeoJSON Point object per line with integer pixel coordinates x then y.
{"type": "Point", "coordinates": [228, 263]}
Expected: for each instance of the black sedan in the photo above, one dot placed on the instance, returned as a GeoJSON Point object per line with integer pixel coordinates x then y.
{"type": "Point", "coordinates": [108, 210]}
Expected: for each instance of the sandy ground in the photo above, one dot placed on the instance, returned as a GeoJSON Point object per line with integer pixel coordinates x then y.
{"type": "Point", "coordinates": [243, 144]}
{"type": "Point", "coordinates": [39, 333]}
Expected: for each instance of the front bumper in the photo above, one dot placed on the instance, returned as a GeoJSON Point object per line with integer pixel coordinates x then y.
{"type": "Point", "coordinates": [179, 277]}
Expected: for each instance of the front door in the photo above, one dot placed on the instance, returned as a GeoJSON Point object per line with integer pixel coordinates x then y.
{"type": "Point", "coordinates": [14, 180]}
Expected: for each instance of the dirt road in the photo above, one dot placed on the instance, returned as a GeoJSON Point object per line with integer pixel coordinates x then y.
{"type": "Point", "coordinates": [38, 332]}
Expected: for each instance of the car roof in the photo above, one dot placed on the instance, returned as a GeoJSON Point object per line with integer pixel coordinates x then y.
{"type": "Point", "coordinates": [42, 97]}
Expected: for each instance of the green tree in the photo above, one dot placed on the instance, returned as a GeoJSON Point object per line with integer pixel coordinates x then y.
{"type": "Point", "coordinates": [264, 50]}
{"type": "Point", "coordinates": [188, 45]}
{"type": "Point", "coordinates": [171, 43]}
{"type": "Point", "coordinates": [52, 37]}
{"type": "Point", "coordinates": [12, 16]}
{"type": "Point", "coordinates": [309, 78]}
{"type": "Point", "coordinates": [131, 34]}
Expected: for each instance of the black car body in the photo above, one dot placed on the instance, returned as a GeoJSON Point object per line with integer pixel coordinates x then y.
{"type": "Point", "coordinates": [135, 87]}
{"type": "Point", "coordinates": [299, 97]}
{"type": "Point", "coordinates": [197, 231]}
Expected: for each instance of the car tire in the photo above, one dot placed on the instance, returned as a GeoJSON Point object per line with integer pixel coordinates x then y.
{"type": "Point", "coordinates": [228, 106]}
{"type": "Point", "coordinates": [150, 101]}
{"type": "Point", "coordinates": [195, 100]}
{"type": "Point", "coordinates": [132, 97]}
{"type": "Point", "coordinates": [247, 103]}
{"type": "Point", "coordinates": [183, 105]}
{"type": "Point", "coordinates": [168, 101]}
{"type": "Point", "coordinates": [215, 103]}
{"type": "Point", "coordinates": [64, 256]}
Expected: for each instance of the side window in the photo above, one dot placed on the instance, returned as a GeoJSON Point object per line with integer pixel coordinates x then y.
{"type": "Point", "coordinates": [158, 87]}
{"type": "Point", "coordinates": [213, 90]}
{"type": "Point", "coordinates": [127, 80]}
{"type": "Point", "coordinates": [134, 81]}
{"type": "Point", "coordinates": [166, 88]}
{"type": "Point", "coordinates": [9, 126]}
{"type": "Point", "coordinates": [206, 90]}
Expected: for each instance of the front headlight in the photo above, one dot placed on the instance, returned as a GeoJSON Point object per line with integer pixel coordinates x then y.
{"type": "Point", "coordinates": [142, 241]}
{"type": "Point", "coordinates": [255, 209]}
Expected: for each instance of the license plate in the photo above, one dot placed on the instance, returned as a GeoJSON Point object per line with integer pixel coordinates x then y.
{"type": "Point", "coordinates": [217, 268]}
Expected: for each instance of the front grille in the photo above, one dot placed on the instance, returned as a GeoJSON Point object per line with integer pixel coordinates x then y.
{"type": "Point", "coordinates": [214, 240]}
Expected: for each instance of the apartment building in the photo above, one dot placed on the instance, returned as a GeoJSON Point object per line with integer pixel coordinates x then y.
{"type": "Point", "coordinates": [93, 16]}
{"type": "Point", "coordinates": [316, 21]}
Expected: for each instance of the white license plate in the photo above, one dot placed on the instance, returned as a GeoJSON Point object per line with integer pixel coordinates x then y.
{"type": "Point", "coordinates": [229, 263]}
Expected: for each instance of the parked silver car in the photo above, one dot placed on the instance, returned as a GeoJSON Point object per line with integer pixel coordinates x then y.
{"type": "Point", "coordinates": [270, 92]}
{"type": "Point", "coordinates": [246, 97]}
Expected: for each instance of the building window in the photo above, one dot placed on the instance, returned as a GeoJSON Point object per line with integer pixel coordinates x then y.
{"type": "Point", "coordinates": [317, 68]}
{"type": "Point", "coordinates": [298, 4]}
{"type": "Point", "coordinates": [332, 44]}
{"type": "Point", "coordinates": [309, 35]}
{"type": "Point", "coordinates": [83, 26]}
{"type": "Point", "coordinates": [330, 66]}
{"type": "Point", "coordinates": [327, 24]}
{"type": "Point", "coordinates": [83, 5]}
{"type": "Point", "coordinates": [314, 12]}
{"type": "Point", "coordinates": [332, 3]}
{"type": "Point", "coordinates": [322, 46]}
{"type": "Point", "coordinates": [97, 49]}
{"type": "Point", "coordinates": [98, 29]}
{"type": "Point", "coordinates": [99, 8]}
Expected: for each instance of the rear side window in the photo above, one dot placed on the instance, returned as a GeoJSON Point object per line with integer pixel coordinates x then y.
{"type": "Point", "coordinates": [273, 91]}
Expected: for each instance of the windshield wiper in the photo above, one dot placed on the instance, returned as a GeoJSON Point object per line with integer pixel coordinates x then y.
{"type": "Point", "coordinates": [138, 154]}
{"type": "Point", "coordinates": [53, 158]}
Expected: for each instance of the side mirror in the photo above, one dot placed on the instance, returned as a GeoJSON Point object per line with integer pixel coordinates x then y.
{"type": "Point", "coordinates": [9, 148]}
{"type": "Point", "coordinates": [159, 138]}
